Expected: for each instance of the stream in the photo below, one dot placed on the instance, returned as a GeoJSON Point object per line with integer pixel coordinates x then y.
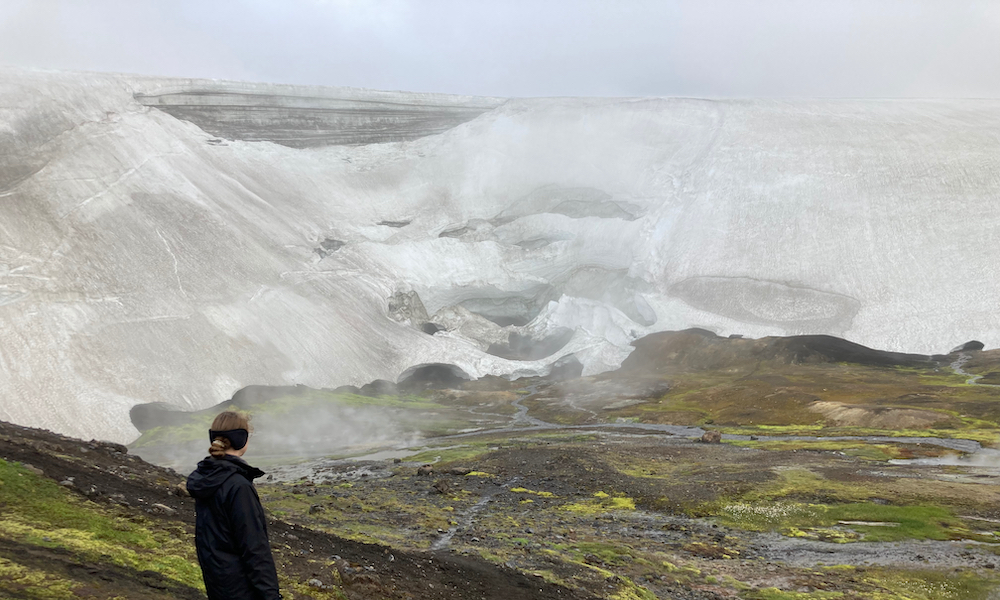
{"type": "Point", "coordinates": [968, 453]}
{"type": "Point", "coordinates": [963, 358]}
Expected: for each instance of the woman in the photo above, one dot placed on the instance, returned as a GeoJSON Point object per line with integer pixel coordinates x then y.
{"type": "Point", "coordinates": [230, 530]}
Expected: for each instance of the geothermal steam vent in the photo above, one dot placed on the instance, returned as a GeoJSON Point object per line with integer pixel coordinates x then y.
{"type": "Point", "coordinates": [175, 240]}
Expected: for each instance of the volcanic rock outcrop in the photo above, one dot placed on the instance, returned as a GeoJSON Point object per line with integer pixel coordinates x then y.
{"type": "Point", "coordinates": [169, 240]}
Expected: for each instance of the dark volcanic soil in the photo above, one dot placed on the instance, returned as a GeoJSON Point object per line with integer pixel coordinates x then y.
{"type": "Point", "coordinates": [106, 475]}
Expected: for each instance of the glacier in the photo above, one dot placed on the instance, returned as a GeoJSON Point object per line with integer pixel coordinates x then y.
{"type": "Point", "coordinates": [174, 240]}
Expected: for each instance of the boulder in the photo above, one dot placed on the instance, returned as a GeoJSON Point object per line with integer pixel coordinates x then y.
{"type": "Point", "coordinates": [711, 437]}
{"type": "Point", "coordinates": [970, 346]}
{"type": "Point", "coordinates": [163, 509]}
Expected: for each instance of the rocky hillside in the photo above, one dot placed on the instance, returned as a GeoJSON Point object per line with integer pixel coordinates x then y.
{"type": "Point", "coordinates": [88, 520]}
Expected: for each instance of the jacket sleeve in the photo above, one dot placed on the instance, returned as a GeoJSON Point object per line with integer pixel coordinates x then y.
{"type": "Point", "coordinates": [250, 540]}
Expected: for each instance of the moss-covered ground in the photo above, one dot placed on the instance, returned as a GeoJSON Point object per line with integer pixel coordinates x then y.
{"type": "Point", "coordinates": [636, 515]}
{"type": "Point", "coordinates": [596, 501]}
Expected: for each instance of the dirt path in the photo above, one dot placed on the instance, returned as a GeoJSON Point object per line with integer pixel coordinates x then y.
{"type": "Point", "coordinates": [467, 518]}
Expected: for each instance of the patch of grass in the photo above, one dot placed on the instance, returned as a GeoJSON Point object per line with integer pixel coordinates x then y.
{"type": "Point", "coordinates": [859, 449]}
{"type": "Point", "coordinates": [452, 454]}
{"type": "Point", "coordinates": [33, 583]}
{"type": "Point", "coordinates": [521, 490]}
{"type": "Point", "coordinates": [609, 554]}
{"type": "Point", "coordinates": [602, 503]}
{"type": "Point", "coordinates": [979, 435]}
{"type": "Point", "coordinates": [928, 585]}
{"type": "Point", "coordinates": [194, 430]}
{"type": "Point", "coordinates": [648, 468]}
{"type": "Point", "coordinates": [629, 590]}
{"type": "Point", "coordinates": [804, 484]}
{"type": "Point", "coordinates": [37, 510]}
{"type": "Point", "coordinates": [365, 513]}
{"type": "Point", "coordinates": [820, 521]}
{"type": "Point", "coordinates": [303, 590]}
{"type": "Point", "coordinates": [171, 557]}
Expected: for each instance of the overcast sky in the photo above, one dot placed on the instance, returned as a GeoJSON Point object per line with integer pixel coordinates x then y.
{"type": "Point", "coordinates": [715, 48]}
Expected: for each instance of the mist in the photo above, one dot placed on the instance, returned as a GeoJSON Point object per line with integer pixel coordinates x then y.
{"type": "Point", "coordinates": [713, 48]}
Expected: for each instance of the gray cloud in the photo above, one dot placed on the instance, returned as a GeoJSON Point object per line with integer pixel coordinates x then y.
{"type": "Point", "coordinates": [830, 48]}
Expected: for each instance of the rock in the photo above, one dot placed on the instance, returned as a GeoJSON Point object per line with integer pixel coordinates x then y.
{"type": "Point", "coordinates": [406, 307]}
{"type": "Point", "coordinates": [110, 447]}
{"type": "Point", "coordinates": [181, 489]}
{"type": "Point", "coordinates": [315, 508]}
{"type": "Point", "coordinates": [379, 387]}
{"type": "Point", "coordinates": [425, 470]}
{"type": "Point", "coordinates": [970, 346]}
{"type": "Point", "coordinates": [566, 368]}
{"type": "Point", "coordinates": [441, 486]}
{"type": "Point", "coordinates": [437, 376]}
{"type": "Point", "coordinates": [328, 246]}
{"type": "Point", "coordinates": [462, 471]}
{"type": "Point", "coordinates": [431, 328]}
{"type": "Point", "coordinates": [67, 483]}
{"type": "Point", "coordinates": [396, 461]}
{"type": "Point", "coordinates": [33, 469]}
{"type": "Point", "coordinates": [163, 509]}
{"type": "Point", "coordinates": [316, 583]}
{"type": "Point", "coordinates": [711, 437]}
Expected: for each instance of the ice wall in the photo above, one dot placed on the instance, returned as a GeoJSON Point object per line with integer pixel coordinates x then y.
{"type": "Point", "coordinates": [155, 253]}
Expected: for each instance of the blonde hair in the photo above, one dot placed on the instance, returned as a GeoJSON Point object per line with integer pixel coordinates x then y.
{"type": "Point", "coordinates": [226, 421]}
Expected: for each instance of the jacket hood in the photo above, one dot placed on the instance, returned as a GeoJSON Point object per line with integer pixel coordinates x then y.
{"type": "Point", "coordinates": [213, 472]}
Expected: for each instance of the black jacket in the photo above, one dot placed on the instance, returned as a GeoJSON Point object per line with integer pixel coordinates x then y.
{"type": "Point", "coordinates": [230, 531]}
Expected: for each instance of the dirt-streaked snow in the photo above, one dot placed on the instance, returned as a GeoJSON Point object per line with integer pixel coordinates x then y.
{"type": "Point", "coordinates": [145, 259]}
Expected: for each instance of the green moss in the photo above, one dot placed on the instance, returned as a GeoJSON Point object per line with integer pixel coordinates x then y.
{"type": "Point", "coordinates": [803, 483]}
{"type": "Point", "coordinates": [451, 454]}
{"type": "Point", "coordinates": [161, 552]}
{"type": "Point", "coordinates": [820, 521]}
{"type": "Point", "coordinates": [34, 584]}
{"type": "Point", "coordinates": [315, 401]}
{"type": "Point", "coordinates": [609, 554]}
{"type": "Point", "coordinates": [776, 594]}
{"type": "Point", "coordinates": [303, 590]}
{"type": "Point", "coordinates": [979, 435]}
{"type": "Point", "coordinates": [194, 430]}
{"type": "Point", "coordinates": [603, 503]}
{"type": "Point", "coordinates": [628, 590]}
{"type": "Point", "coordinates": [521, 490]}
{"type": "Point", "coordinates": [40, 512]}
{"type": "Point", "coordinates": [859, 449]}
{"type": "Point", "coordinates": [928, 585]}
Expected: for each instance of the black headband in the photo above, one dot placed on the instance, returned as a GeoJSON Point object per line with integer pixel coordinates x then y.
{"type": "Point", "coordinates": [237, 437]}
